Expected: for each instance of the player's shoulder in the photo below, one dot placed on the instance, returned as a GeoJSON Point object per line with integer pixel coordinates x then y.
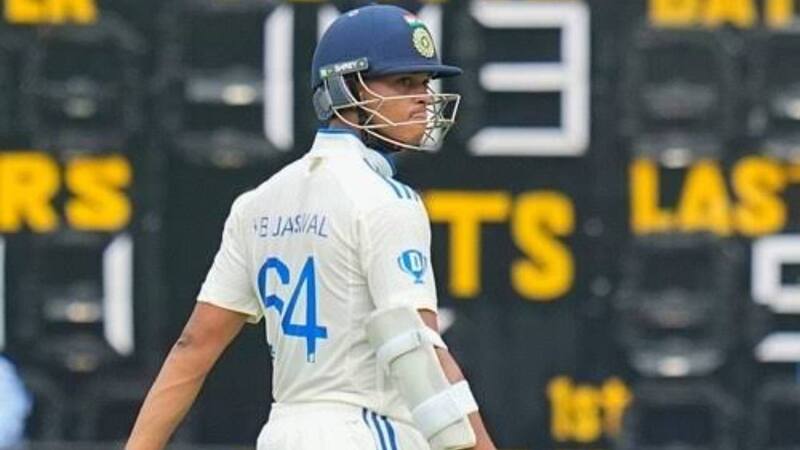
{"type": "Point", "coordinates": [249, 198]}
{"type": "Point", "coordinates": [242, 200]}
{"type": "Point", "coordinates": [370, 189]}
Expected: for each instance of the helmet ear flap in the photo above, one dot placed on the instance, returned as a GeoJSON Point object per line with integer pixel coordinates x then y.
{"type": "Point", "coordinates": [335, 92]}
{"type": "Point", "coordinates": [322, 104]}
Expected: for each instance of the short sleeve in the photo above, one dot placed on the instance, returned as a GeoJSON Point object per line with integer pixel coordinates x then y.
{"type": "Point", "coordinates": [395, 254]}
{"type": "Point", "coordinates": [227, 283]}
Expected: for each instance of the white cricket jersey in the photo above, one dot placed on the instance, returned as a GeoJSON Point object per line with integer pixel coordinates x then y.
{"type": "Point", "coordinates": [314, 250]}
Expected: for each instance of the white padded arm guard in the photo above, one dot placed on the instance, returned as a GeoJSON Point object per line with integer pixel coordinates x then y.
{"type": "Point", "coordinates": [404, 346]}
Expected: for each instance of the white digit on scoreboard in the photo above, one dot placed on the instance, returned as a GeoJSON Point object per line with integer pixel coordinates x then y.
{"type": "Point", "coordinates": [278, 77]}
{"type": "Point", "coordinates": [570, 77]}
{"type": "Point", "coordinates": [770, 255]}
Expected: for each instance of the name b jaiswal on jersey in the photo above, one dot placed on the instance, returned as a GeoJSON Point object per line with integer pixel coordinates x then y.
{"type": "Point", "coordinates": [287, 225]}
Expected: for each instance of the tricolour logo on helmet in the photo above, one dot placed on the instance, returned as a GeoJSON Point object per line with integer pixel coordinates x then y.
{"type": "Point", "coordinates": [413, 21]}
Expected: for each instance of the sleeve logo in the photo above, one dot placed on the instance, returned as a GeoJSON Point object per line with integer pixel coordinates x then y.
{"type": "Point", "coordinates": [414, 263]}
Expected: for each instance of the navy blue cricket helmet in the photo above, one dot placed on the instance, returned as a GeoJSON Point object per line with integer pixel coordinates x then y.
{"type": "Point", "coordinates": [374, 41]}
{"type": "Point", "coordinates": [391, 39]}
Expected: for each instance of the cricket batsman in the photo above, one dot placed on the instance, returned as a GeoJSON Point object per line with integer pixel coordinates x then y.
{"type": "Point", "coordinates": [333, 254]}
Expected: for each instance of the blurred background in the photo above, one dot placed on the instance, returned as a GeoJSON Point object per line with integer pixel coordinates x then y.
{"type": "Point", "coordinates": [616, 215]}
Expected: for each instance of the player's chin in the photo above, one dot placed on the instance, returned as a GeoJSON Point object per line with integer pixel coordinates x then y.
{"type": "Point", "coordinates": [413, 134]}
{"type": "Point", "coordinates": [410, 134]}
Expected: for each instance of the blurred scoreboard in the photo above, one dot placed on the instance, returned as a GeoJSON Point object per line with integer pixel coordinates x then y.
{"type": "Point", "coordinates": [612, 168]}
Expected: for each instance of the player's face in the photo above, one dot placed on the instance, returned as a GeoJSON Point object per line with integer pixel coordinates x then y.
{"type": "Point", "coordinates": [403, 109]}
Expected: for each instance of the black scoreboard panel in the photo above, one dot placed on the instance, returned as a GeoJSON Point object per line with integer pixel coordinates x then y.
{"type": "Point", "coordinates": [614, 216]}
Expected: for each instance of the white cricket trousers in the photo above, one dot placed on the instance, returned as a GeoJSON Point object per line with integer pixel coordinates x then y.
{"type": "Point", "coordinates": [335, 426]}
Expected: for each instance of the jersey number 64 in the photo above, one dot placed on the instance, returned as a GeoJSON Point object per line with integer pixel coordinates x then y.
{"type": "Point", "coordinates": [306, 287]}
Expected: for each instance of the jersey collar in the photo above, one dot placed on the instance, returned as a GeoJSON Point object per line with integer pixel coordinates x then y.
{"type": "Point", "coordinates": [342, 139]}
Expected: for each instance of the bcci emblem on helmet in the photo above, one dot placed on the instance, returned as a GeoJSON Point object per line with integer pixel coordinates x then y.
{"type": "Point", "coordinates": [423, 41]}
{"type": "Point", "coordinates": [414, 263]}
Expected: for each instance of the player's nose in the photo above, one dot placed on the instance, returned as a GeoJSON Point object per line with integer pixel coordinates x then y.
{"type": "Point", "coordinates": [423, 98]}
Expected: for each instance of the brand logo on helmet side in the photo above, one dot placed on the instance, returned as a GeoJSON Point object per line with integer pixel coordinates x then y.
{"type": "Point", "coordinates": [423, 42]}
{"type": "Point", "coordinates": [345, 67]}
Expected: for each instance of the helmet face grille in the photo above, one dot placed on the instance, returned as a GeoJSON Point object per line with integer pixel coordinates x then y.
{"type": "Point", "coordinates": [441, 111]}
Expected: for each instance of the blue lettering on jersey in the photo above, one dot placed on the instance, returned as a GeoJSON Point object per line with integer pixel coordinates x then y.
{"type": "Point", "coordinates": [283, 226]}
{"type": "Point", "coordinates": [312, 227]}
{"type": "Point", "coordinates": [287, 225]}
{"type": "Point", "coordinates": [261, 226]}
{"type": "Point", "coordinates": [414, 263]}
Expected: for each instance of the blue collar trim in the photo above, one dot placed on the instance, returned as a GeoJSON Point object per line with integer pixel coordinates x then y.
{"type": "Point", "coordinates": [332, 130]}
{"type": "Point", "coordinates": [389, 157]}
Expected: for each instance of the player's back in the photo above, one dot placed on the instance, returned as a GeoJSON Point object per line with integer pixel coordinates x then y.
{"type": "Point", "coordinates": [305, 251]}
